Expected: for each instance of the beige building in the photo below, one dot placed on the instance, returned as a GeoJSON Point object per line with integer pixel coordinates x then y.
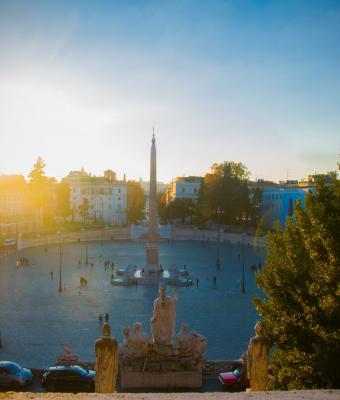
{"type": "Point", "coordinates": [16, 214]}
{"type": "Point", "coordinates": [183, 188]}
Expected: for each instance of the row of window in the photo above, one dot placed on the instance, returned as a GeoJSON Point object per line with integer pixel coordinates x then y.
{"type": "Point", "coordinates": [95, 190]}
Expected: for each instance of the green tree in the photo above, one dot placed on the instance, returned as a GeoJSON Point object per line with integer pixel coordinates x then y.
{"type": "Point", "coordinates": [63, 200]}
{"type": "Point", "coordinates": [181, 209]}
{"type": "Point", "coordinates": [225, 189]}
{"type": "Point", "coordinates": [41, 191]}
{"type": "Point", "coordinates": [84, 208]}
{"type": "Point", "coordinates": [301, 282]}
{"type": "Point", "coordinates": [135, 201]}
{"type": "Point", "coordinates": [161, 207]}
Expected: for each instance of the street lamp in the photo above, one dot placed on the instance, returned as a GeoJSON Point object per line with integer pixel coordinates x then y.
{"type": "Point", "coordinates": [60, 262]}
{"type": "Point", "coordinates": [219, 212]}
{"type": "Point", "coordinates": [243, 290]}
{"type": "Point", "coordinates": [86, 248]}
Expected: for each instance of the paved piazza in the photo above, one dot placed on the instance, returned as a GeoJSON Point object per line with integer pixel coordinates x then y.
{"type": "Point", "coordinates": [35, 319]}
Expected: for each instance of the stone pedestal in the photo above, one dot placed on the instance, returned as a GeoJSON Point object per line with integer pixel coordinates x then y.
{"type": "Point", "coordinates": [152, 258]}
{"type": "Point", "coordinates": [160, 379]}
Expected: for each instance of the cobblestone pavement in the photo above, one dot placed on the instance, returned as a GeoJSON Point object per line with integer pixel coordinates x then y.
{"type": "Point", "coordinates": [35, 319]}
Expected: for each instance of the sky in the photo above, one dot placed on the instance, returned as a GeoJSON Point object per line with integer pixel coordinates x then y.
{"type": "Point", "coordinates": [82, 83]}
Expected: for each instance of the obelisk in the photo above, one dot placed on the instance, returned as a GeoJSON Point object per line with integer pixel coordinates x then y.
{"type": "Point", "coordinates": [152, 264]}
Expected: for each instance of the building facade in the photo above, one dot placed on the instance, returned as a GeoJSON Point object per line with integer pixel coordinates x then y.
{"type": "Point", "coordinates": [17, 215]}
{"type": "Point", "coordinates": [183, 188]}
{"type": "Point", "coordinates": [278, 203]}
{"type": "Point", "coordinates": [105, 194]}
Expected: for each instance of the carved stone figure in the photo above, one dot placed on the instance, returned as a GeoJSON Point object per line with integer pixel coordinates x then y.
{"type": "Point", "coordinates": [163, 321]}
{"type": "Point", "coordinates": [258, 359]}
{"type": "Point", "coordinates": [140, 341]}
{"type": "Point", "coordinates": [67, 357]}
{"type": "Point", "coordinates": [135, 344]}
{"type": "Point", "coordinates": [106, 362]}
{"type": "Point", "coordinates": [190, 344]}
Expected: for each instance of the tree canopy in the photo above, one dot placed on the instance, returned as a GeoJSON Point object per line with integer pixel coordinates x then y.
{"type": "Point", "coordinates": [135, 201]}
{"type": "Point", "coordinates": [301, 282]}
{"type": "Point", "coordinates": [224, 195]}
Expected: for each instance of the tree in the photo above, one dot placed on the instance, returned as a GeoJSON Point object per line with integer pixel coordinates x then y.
{"type": "Point", "coordinates": [41, 190]}
{"type": "Point", "coordinates": [84, 208]}
{"type": "Point", "coordinates": [161, 207]}
{"type": "Point", "coordinates": [135, 201]}
{"type": "Point", "coordinates": [301, 282]}
{"type": "Point", "coordinates": [224, 195]}
{"type": "Point", "coordinates": [180, 209]}
{"type": "Point", "coordinates": [63, 200]}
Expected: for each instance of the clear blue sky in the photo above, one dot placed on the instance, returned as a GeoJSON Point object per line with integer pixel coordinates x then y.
{"type": "Point", "coordinates": [83, 82]}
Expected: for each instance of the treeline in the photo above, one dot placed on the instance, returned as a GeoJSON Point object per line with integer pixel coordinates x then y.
{"type": "Point", "coordinates": [223, 198]}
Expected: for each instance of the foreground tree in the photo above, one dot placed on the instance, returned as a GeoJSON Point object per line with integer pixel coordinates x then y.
{"type": "Point", "coordinates": [301, 281]}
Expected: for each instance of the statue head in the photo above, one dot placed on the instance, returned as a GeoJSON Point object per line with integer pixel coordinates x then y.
{"type": "Point", "coordinates": [106, 330]}
{"type": "Point", "coordinates": [137, 327]}
{"type": "Point", "coordinates": [162, 290]}
{"type": "Point", "coordinates": [184, 328]}
{"type": "Point", "coordinates": [258, 328]}
{"type": "Point", "coordinates": [126, 331]}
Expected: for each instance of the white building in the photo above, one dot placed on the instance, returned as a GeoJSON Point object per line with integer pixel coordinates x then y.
{"type": "Point", "coordinates": [183, 188]}
{"type": "Point", "coordinates": [105, 194]}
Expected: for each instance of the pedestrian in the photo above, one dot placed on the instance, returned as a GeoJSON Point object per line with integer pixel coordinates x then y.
{"type": "Point", "coordinates": [214, 279]}
{"type": "Point", "coordinates": [51, 273]}
{"type": "Point", "coordinates": [197, 282]}
{"type": "Point", "coordinates": [106, 317]}
{"type": "Point", "coordinates": [100, 319]}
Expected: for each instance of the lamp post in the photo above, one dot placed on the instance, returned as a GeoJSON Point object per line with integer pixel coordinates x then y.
{"type": "Point", "coordinates": [60, 262]}
{"type": "Point", "coordinates": [243, 289]}
{"type": "Point", "coordinates": [219, 212]}
{"type": "Point", "coordinates": [86, 249]}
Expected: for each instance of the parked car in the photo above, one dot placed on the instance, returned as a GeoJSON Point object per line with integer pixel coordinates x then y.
{"type": "Point", "coordinates": [12, 374]}
{"type": "Point", "coordinates": [9, 242]}
{"type": "Point", "coordinates": [71, 377]}
{"type": "Point", "coordinates": [236, 379]}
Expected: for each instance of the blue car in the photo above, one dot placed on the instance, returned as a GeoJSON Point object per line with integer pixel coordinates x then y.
{"type": "Point", "coordinates": [69, 378]}
{"type": "Point", "coordinates": [12, 374]}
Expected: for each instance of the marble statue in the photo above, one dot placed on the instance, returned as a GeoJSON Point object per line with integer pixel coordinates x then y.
{"type": "Point", "coordinates": [163, 321]}
{"type": "Point", "coordinates": [135, 344]}
{"type": "Point", "coordinates": [67, 357]}
{"type": "Point", "coordinates": [258, 359]}
{"type": "Point", "coordinates": [106, 362]}
{"type": "Point", "coordinates": [190, 344]}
